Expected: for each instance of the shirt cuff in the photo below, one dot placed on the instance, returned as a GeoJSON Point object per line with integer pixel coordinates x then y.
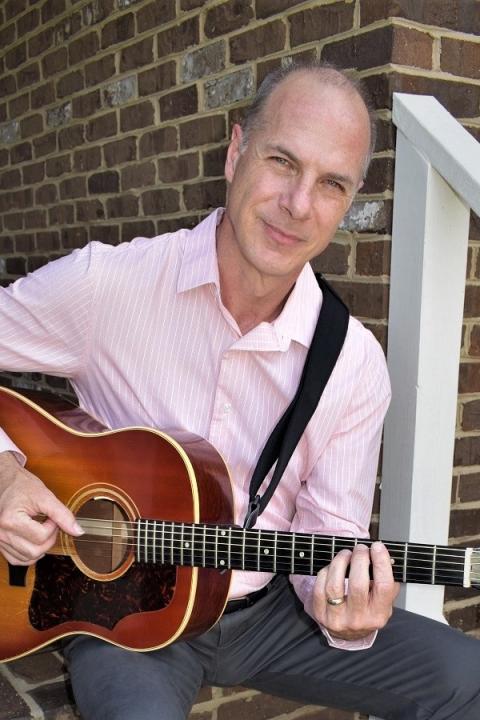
{"type": "Point", "coordinates": [351, 645]}
{"type": "Point", "coordinates": [6, 445]}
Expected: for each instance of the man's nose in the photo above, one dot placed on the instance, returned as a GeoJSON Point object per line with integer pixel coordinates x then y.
{"type": "Point", "coordinates": [297, 199]}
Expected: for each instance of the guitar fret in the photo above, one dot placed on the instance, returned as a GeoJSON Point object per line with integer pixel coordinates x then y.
{"type": "Point", "coordinates": [258, 549]}
{"type": "Point", "coordinates": [275, 544]}
{"type": "Point", "coordinates": [193, 546]}
{"type": "Point", "coordinates": [182, 529]}
{"type": "Point", "coordinates": [434, 563]}
{"type": "Point", "coordinates": [204, 544]}
{"type": "Point", "coordinates": [154, 554]}
{"type": "Point", "coordinates": [229, 551]}
{"type": "Point", "coordinates": [216, 547]}
{"type": "Point", "coordinates": [172, 534]}
{"type": "Point", "coordinates": [139, 524]}
{"type": "Point", "coordinates": [292, 562]}
{"type": "Point", "coordinates": [163, 542]}
{"type": "Point", "coordinates": [312, 553]}
{"type": "Point", "coordinates": [333, 547]}
{"type": "Point", "coordinates": [404, 576]}
{"type": "Point", "coordinates": [244, 532]}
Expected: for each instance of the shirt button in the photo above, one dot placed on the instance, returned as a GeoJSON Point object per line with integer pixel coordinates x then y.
{"type": "Point", "coordinates": [227, 407]}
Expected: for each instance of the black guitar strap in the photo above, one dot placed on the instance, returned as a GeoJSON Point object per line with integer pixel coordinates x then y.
{"type": "Point", "coordinates": [324, 350]}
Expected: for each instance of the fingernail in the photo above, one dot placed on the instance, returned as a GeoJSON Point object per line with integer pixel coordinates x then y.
{"type": "Point", "coordinates": [377, 546]}
{"type": "Point", "coordinates": [78, 528]}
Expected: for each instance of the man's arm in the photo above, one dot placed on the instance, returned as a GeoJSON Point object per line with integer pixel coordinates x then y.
{"type": "Point", "coordinates": [337, 500]}
{"type": "Point", "coordinates": [30, 515]}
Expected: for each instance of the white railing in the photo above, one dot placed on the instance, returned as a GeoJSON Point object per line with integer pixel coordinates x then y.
{"type": "Point", "coordinates": [437, 181]}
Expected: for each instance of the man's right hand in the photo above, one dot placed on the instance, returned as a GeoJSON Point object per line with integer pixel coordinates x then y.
{"type": "Point", "coordinates": [23, 497]}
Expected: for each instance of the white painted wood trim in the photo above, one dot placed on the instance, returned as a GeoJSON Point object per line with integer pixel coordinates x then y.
{"type": "Point", "coordinates": [429, 255]}
{"type": "Point", "coordinates": [451, 150]}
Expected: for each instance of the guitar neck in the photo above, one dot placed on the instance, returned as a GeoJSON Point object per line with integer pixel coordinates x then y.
{"type": "Point", "coordinates": [232, 548]}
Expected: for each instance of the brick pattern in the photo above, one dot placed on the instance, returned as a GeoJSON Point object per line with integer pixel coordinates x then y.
{"type": "Point", "coordinates": [115, 116]}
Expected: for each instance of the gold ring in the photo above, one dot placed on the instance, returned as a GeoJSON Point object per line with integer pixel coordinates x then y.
{"type": "Point", "coordinates": [336, 601]}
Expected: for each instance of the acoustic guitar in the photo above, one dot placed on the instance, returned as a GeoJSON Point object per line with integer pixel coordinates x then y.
{"type": "Point", "coordinates": [155, 561]}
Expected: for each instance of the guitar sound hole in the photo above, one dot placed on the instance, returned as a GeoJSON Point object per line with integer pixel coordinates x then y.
{"type": "Point", "coordinates": [108, 535]}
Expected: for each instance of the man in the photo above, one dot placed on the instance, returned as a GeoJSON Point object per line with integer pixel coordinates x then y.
{"type": "Point", "coordinates": [214, 340]}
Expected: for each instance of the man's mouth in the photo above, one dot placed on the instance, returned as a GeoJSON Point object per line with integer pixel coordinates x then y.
{"type": "Point", "coordinates": [281, 236]}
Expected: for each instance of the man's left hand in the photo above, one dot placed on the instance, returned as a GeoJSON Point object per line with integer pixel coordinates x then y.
{"type": "Point", "coordinates": [367, 604]}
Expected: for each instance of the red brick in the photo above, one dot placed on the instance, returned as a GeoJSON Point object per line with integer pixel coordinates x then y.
{"type": "Point", "coordinates": [179, 37]}
{"type": "Point", "coordinates": [25, 243]}
{"type": "Point", "coordinates": [334, 259]}
{"type": "Point", "coordinates": [89, 210]}
{"type": "Point", "coordinates": [460, 15]}
{"type": "Point", "coordinates": [118, 30]}
{"type": "Point", "coordinates": [74, 187]}
{"type": "Point", "coordinates": [136, 176]}
{"type": "Point", "coordinates": [460, 57]}
{"type": "Point", "coordinates": [138, 228]}
{"type": "Point", "coordinates": [136, 116]}
{"type": "Point", "coordinates": [10, 179]}
{"type": "Point", "coordinates": [33, 173]}
{"type": "Point", "coordinates": [214, 161]}
{"type": "Point", "coordinates": [71, 137]}
{"type": "Point", "coordinates": [16, 266]}
{"type": "Point", "coordinates": [155, 14]}
{"type": "Point", "coordinates": [136, 55]}
{"type": "Point", "coordinates": [158, 141]}
{"type": "Point", "coordinates": [61, 215]}
{"type": "Point", "coordinates": [20, 153]}
{"type": "Point", "coordinates": [71, 83]}
{"type": "Point", "coordinates": [464, 522]}
{"type": "Point", "coordinates": [27, 23]}
{"type": "Point", "coordinates": [36, 218]}
{"type": "Point", "coordinates": [46, 241]}
{"type": "Point", "coordinates": [103, 126]}
{"type": "Point", "coordinates": [13, 221]}
{"type": "Point", "coordinates": [28, 75]}
{"type": "Point", "coordinates": [179, 103]}
{"type": "Point", "coordinates": [202, 131]}
{"type": "Point", "coordinates": [364, 300]}
{"type": "Point", "coordinates": [41, 42]}
{"type": "Point", "coordinates": [43, 95]}
{"type": "Point", "coordinates": [373, 257]}
{"type": "Point", "coordinates": [74, 237]}
{"type": "Point", "coordinates": [320, 22]}
{"type": "Point", "coordinates": [266, 8]}
{"type": "Point", "coordinates": [51, 9]}
{"type": "Point", "coordinates": [46, 194]}
{"type": "Point", "coordinates": [55, 62]}
{"type": "Point", "coordinates": [258, 42]}
{"type": "Point", "coordinates": [469, 378]}
{"type": "Point", "coordinates": [122, 206]}
{"type": "Point", "coordinates": [205, 195]}
{"type": "Point", "coordinates": [100, 70]}
{"type": "Point", "coordinates": [469, 488]}
{"type": "Point", "coordinates": [19, 105]}
{"type": "Point", "coordinates": [227, 17]}
{"type": "Point", "coordinates": [105, 233]}
{"type": "Point", "coordinates": [86, 105]}
{"type": "Point", "coordinates": [178, 168]}
{"type": "Point", "coordinates": [8, 85]}
{"type": "Point", "coordinates": [83, 49]}
{"type": "Point", "coordinates": [8, 35]}
{"type": "Point", "coordinates": [159, 202]}
{"type": "Point", "coordinates": [87, 159]}
{"type": "Point", "coordinates": [467, 451]}
{"type": "Point", "coordinates": [161, 77]}
{"type": "Point", "coordinates": [32, 125]}
{"type": "Point", "coordinates": [16, 56]}
{"type": "Point", "coordinates": [45, 144]}
{"type": "Point", "coordinates": [58, 165]}
{"type": "Point", "coordinates": [103, 182]}
{"type": "Point", "coordinates": [120, 151]}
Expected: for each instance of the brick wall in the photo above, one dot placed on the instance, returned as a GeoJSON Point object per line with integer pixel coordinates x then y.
{"type": "Point", "coordinates": [114, 118]}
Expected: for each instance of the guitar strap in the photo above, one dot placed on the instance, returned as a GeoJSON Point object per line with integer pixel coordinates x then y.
{"type": "Point", "coordinates": [324, 350]}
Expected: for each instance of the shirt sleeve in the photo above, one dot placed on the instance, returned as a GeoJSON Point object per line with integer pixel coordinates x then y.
{"type": "Point", "coordinates": [44, 321]}
{"type": "Point", "coordinates": [337, 497]}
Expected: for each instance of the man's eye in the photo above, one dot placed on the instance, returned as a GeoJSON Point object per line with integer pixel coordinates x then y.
{"type": "Point", "coordinates": [334, 185]}
{"type": "Point", "coordinates": [283, 162]}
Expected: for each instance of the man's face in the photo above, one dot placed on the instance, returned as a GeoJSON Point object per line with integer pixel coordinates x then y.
{"type": "Point", "coordinates": [291, 185]}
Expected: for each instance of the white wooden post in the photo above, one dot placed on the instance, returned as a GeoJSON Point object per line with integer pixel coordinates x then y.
{"type": "Point", "coordinates": [429, 255]}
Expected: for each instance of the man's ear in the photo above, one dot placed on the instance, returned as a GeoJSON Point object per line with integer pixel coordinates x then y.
{"type": "Point", "coordinates": [233, 152]}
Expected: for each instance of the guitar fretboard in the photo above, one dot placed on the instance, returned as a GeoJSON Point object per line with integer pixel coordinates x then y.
{"type": "Point", "coordinates": [214, 546]}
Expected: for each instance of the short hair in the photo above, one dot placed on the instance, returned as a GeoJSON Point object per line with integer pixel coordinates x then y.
{"type": "Point", "coordinates": [330, 75]}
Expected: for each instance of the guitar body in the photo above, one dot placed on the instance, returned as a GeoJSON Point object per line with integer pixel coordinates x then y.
{"type": "Point", "coordinates": [95, 585]}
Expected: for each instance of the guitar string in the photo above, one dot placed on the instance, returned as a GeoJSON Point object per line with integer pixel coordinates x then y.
{"type": "Point", "coordinates": [416, 548]}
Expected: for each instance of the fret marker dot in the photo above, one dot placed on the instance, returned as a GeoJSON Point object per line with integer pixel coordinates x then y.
{"type": "Point", "coordinates": [222, 562]}
{"type": "Point", "coordinates": [302, 554]}
{"type": "Point", "coordinates": [266, 551]}
{"type": "Point", "coordinates": [187, 544]}
{"type": "Point", "coordinates": [223, 532]}
{"type": "Point", "coordinates": [392, 561]}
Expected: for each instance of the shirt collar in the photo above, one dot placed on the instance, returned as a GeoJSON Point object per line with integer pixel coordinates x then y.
{"type": "Point", "coordinates": [199, 266]}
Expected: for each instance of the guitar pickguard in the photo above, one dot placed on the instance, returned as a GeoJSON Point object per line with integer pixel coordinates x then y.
{"type": "Point", "coordinates": [62, 593]}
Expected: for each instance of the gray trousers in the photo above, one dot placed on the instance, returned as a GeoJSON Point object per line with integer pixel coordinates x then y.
{"type": "Point", "coordinates": [417, 668]}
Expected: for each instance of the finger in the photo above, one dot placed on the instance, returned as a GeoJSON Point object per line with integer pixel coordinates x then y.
{"type": "Point", "coordinates": [384, 588]}
{"type": "Point", "coordinates": [58, 514]}
{"type": "Point", "coordinates": [336, 574]}
{"type": "Point", "coordinates": [359, 579]}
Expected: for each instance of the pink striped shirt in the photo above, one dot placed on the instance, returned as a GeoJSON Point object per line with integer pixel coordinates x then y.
{"type": "Point", "coordinates": [141, 331]}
